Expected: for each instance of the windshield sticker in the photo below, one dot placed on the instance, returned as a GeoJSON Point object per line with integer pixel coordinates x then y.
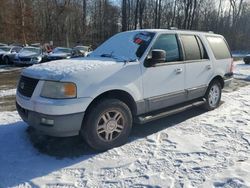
{"type": "Point", "coordinates": [141, 37]}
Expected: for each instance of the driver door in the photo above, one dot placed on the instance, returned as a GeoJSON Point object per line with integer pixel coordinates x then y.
{"type": "Point", "coordinates": [163, 83]}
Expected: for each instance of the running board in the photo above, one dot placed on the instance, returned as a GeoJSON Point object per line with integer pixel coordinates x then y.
{"type": "Point", "coordinates": [169, 111]}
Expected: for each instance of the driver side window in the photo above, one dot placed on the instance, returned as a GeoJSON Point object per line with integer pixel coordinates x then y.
{"type": "Point", "coordinates": [168, 42]}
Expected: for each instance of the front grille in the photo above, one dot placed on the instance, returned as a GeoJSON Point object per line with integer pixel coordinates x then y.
{"type": "Point", "coordinates": [25, 58]}
{"type": "Point", "coordinates": [27, 86]}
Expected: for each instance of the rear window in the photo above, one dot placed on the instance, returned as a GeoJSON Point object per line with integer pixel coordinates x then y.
{"type": "Point", "coordinates": [191, 47]}
{"type": "Point", "coordinates": [219, 47]}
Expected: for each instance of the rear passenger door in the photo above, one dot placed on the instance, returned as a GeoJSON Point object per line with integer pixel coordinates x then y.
{"type": "Point", "coordinates": [197, 65]}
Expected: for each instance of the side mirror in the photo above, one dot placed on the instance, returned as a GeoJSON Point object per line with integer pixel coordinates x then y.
{"type": "Point", "coordinates": [158, 56]}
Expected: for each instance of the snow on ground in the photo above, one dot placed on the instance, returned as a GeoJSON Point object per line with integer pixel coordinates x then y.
{"type": "Point", "coordinates": [7, 92]}
{"type": "Point", "coordinates": [241, 70]}
{"type": "Point", "coordinates": [191, 149]}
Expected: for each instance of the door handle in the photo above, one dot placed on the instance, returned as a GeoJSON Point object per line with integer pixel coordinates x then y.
{"type": "Point", "coordinates": [209, 67]}
{"type": "Point", "coordinates": [178, 71]}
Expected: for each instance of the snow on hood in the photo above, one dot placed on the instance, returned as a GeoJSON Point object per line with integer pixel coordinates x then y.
{"type": "Point", "coordinates": [59, 69]}
{"type": "Point", "coordinates": [28, 54]}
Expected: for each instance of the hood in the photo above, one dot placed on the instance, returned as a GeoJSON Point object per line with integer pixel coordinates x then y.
{"type": "Point", "coordinates": [61, 69]}
{"type": "Point", "coordinates": [28, 54]}
{"type": "Point", "coordinates": [59, 55]}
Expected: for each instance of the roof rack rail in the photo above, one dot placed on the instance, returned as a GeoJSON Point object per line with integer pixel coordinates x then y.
{"type": "Point", "coordinates": [173, 28]}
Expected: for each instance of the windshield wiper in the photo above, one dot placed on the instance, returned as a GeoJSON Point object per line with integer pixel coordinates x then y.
{"type": "Point", "coordinates": [117, 57]}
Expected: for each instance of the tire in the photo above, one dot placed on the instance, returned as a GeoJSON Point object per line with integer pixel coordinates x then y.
{"type": "Point", "coordinates": [107, 124]}
{"type": "Point", "coordinates": [246, 60]}
{"type": "Point", "coordinates": [6, 60]}
{"type": "Point", "coordinates": [213, 95]}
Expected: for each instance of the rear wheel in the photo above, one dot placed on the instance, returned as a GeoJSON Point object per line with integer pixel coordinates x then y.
{"type": "Point", "coordinates": [107, 125]}
{"type": "Point", "coordinates": [213, 95]}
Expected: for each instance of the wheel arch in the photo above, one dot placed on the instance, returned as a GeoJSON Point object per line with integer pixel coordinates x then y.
{"type": "Point", "coordinates": [220, 79]}
{"type": "Point", "coordinates": [122, 95]}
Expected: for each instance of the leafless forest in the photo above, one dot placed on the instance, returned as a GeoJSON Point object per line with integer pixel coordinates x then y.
{"type": "Point", "coordinates": [67, 22]}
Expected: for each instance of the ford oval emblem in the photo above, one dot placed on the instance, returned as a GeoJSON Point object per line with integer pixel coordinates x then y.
{"type": "Point", "coordinates": [22, 85]}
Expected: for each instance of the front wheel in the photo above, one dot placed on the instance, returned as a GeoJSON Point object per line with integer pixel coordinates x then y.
{"type": "Point", "coordinates": [6, 60]}
{"type": "Point", "coordinates": [213, 95]}
{"type": "Point", "coordinates": [107, 125]}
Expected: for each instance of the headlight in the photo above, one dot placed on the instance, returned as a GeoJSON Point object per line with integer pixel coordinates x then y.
{"type": "Point", "coordinates": [58, 90]}
{"type": "Point", "coordinates": [37, 59]}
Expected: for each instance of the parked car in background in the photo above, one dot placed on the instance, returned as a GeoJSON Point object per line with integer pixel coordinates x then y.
{"type": "Point", "coordinates": [2, 44]}
{"type": "Point", "coordinates": [7, 53]}
{"type": "Point", "coordinates": [29, 56]}
{"type": "Point", "coordinates": [3, 50]}
{"type": "Point", "coordinates": [38, 45]}
{"type": "Point", "coordinates": [247, 59]}
{"type": "Point", "coordinates": [135, 76]}
{"type": "Point", "coordinates": [16, 44]}
{"type": "Point", "coordinates": [81, 51]}
{"type": "Point", "coordinates": [59, 53]}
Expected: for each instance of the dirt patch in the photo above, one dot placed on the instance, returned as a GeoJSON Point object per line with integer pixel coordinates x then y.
{"type": "Point", "coordinates": [8, 80]}
{"type": "Point", "coordinates": [7, 103]}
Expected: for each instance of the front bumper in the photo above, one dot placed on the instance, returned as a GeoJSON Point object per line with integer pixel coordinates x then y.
{"type": "Point", "coordinates": [52, 125]}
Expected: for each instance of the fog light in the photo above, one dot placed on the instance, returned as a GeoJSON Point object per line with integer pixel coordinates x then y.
{"type": "Point", "coordinates": [47, 121]}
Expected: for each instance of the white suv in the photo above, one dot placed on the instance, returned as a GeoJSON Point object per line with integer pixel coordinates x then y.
{"type": "Point", "coordinates": [135, 76]}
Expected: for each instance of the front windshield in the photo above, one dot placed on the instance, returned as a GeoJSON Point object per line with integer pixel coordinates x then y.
{"type": "Point", "coordinates": [30, 50]}
{"type": "Point", "coordinates": [5, 48]}
{"type": "Point", "coordinates": [126, 46]}
{"type": "Point", "coordinates": [62, 50]}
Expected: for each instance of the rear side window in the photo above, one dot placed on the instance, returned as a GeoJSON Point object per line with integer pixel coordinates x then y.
{"type": "Point", "coordinates": [219, 47]}
{"type": "Point", "coordinates": [191, 47]}
{"type": "Point", "coordinates": [168, 42]}
{"type": "Point", "coordinates": [202, 49]}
